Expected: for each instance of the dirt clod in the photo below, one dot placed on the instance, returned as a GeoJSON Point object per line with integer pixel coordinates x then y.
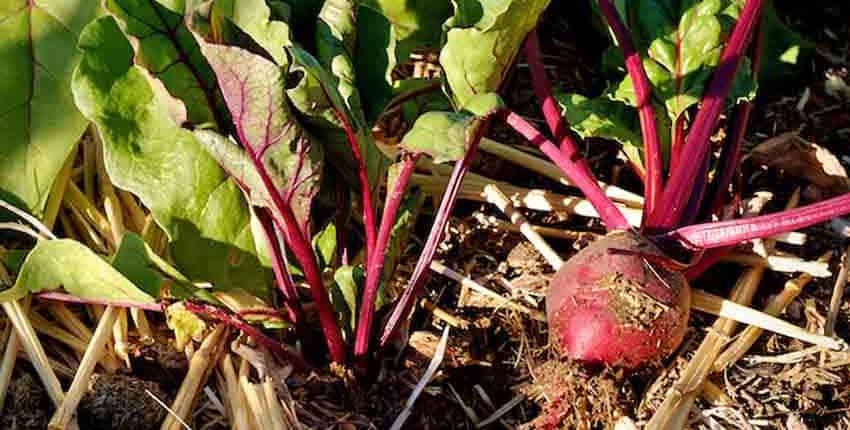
{"type": "Point", "coordinates": [27, 405]}
{"type": "Point", "coordinates": [119, 402]}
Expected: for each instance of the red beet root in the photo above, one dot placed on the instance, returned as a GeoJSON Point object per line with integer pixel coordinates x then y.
{"type": "Point", "coordinates": [616, 308]}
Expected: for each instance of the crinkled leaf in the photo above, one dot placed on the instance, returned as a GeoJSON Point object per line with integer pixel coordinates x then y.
{"type": "Point", "coordinates": [415, 23]}
{"type": "Point", "coordinates": [133, 259]}
{"type": "Point", "coordinates": [39, 125]}
{"type": "Point", "coordinates": [601, 117]}
{"type": "Point", "coordinates": [609, 119]}
{"type": "Point", "coordinates": [336, 38]}
{"type": "Point", "coordinates": [680, 44]}
{"type": "Point", "coordinates": [347, 284]}
{"type": "Point", "coordinates": [166, 48]}
{"type": "Point", "coordinates": [483, 105]}
{"type": "Point", "coordinates": [318, 97]}
{"type": "Point", "coordinates": [375, 60]}
{"type": "Point", "coordinates": [254, 17]}
{"type": "Point", "coordinates": [253, 89]}
{"type": "Point", "coordinates": [478, 53]}
{"type": "Point", "coordinates": [443, 136]}
{"type": "Point", "coordinates": [72, 266]}
{"type": "Point", "coordinates": [147, 153]}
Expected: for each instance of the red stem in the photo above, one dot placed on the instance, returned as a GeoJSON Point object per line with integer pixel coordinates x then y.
{"type": "Point", "coordinates": [667, 214]}
{"type": "Point", "coordinates": [732, 154]}
{"type": "Point", "coordinates": [654, 183]}
{"type": "Point", "coordinates": [272, 345]}
{"type": "Point", "coordinates": [307, 260]}
{"type": "Point", "coordinates": [376, 266]}
{"type": "Point", "coordinates": [281, 272]}
{"type": "Point", "coordinates": [420, 272]}
{"type": "Point", "coordinates": [677, 142]}
{"type": "Point", "coordinates": [727, 233]}
{"type": "Point", "coordinates": [365, 189]}
{"type": "Point", "coordinates": [574, 166]}
{"type": "Point", "coordinates": [542, 86]}
{"type": "Point", "coordinates": [299, 243]}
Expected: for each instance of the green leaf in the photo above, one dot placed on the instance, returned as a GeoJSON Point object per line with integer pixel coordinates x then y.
{"type": "Point", "coordinates": [347, 284]}
{"type": "Point", "coordinates": [478, 53]}
{"type": "Point", "coordinates": [147, 153]}
{"type": "Point", "coordinates": [415, 23]}
{"type": "Point", "coordinates": [254, 18]}
{"type": "Point", "coordinates": [166, 48]}
{"type": "Point", "coordinates": [681, 43]}
{"type": "Point", "coordinates": [39, 125]}
{"type": "Point", "coordinates": [79, 271]}
{"type": "Point", "coordinates": [601, 117]}
{"type": "Point", "coordinates": [484, 105]}
{"type": "Point", "coordinates": [443, 136]}
{"type": "Point", "coordinates": [324, 242]}
{"type": "Point", "coordinates": [317, 96]}
{"type": "Point", "coordinates": [609, 119]}
{"type": "Point", "coordinates": [375, 60]}
{"type": "Point", "coordinates": [253, 89]}
{"type": "Point", "coordinates": [783, 49]}
{"type": "Point", "coordinates": [133, 260]}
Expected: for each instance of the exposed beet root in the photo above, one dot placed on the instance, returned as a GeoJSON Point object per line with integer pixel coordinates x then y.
{"type": "Point", "coordinates": [618, 309]}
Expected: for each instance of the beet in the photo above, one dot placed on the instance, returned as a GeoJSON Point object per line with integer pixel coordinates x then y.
{"type": "Point", "coordinates": [616, 308]}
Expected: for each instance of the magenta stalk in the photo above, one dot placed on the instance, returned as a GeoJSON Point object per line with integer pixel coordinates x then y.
{"type": "Point", "coordinates": [654, 183]}
{"type": "Point", "coordinates": [420, 272]}
{"type": "Point", "coordinates": [542, 86]}
{"type": "Point", "coordinates": [668, 213]}
{"type": "Point", "coordinates": [281, 272]}
{"type": "Point", "coordinates": [376, 265]}
{"type": "Point", "coordinates": [570, 161]}
{"type": "Point", "coordinates": [365, 188]}
{"type": "Point", "coordinates": [728, 233]}
{"type": "Point", "coordinates": [299, 243]}
{"type": "Point", "coordinates": [272, 345]}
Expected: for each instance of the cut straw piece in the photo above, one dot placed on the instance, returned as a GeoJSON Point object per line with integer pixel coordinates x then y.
{"type": "Point", "coordinates": [551, 171]}
{"type": "Point", "coordinates": [552, 232]}
{"type": "Point", "coordinates": [79, 201]}
{"type": "Point", "coordinates": [780, 263]}
{"type": "Point", "coordinates": [199, 369]}
{"type": "Point", "coordinates": [716, 305]}
{"type": "Point", "coordinates": [119, 336]}
{"type": "Point", "coordinates": [143, 328]}
{"type": "Point", "coordinates": [501, 201]}
{"type": "Point", "coordinates": [30, 343]}
{"type": "Point", "coordinates": [48, 329]}
{"type": "Point", "coordinates": [75, 326]}
{"type": "Point", "coordinates": [714, 395]}
{"type": "Point", "coordinates": [57, 191]}
{"type": "Point", "coordinates": [837, 298]}
{"type": "Point", "coordinates": [256, 403]}
{"type": "Point", "coordinates": [7, 365]}
{"type": "Point", "coordinates": [239, 408]}
{"type": "Point", "coordinates": [749, 335]}
{"type": "Point", "coordinates": [135, 214]}
{"type": "Point", "coordinates": [274, 407]}
{"type": "Point", "coordinates": [541, 200]}
{"type": "Point", "coordinates": [423, 382]}
{"type": "Point", "coordinates": [475, 286]}
{"type": "Point", "coordinates": [679, 398]}
{"type": "Point", "coordinates": [65, 413]}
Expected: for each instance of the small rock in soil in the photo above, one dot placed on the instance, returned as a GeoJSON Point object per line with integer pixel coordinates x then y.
{"type": "Point", "coordinates": [120, 402]}
{"type": "Point", "coordinates": [27, 405]}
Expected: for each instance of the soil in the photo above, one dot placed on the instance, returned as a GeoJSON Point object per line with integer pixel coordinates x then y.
{"type": "Point", "coordinates": [122, 402]}
{"type": "Point", "coordinates": [27, 405]}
